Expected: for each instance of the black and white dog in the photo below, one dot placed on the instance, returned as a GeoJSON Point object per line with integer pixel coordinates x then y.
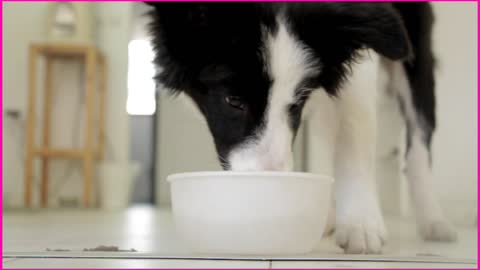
{"type": "Point", "coordinates": [253, 68]}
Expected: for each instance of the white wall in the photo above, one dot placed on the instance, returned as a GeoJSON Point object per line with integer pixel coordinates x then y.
{"type": "Point", "coordinates": [113, 36]}
{"type": "Point", "coordinates": [455, 143]}
{"type": "Point", "coordinates": [24, 23]}
{"type": "Point", "coordinates": [455, 149]}
{"type": "Point", "coordinates": [18, 32]}
{"type": "Point", "coordinates": [184, 143]}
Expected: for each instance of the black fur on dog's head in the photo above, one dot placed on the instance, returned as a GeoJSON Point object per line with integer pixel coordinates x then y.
{"type": "Point", "coordinates": [250, 67]}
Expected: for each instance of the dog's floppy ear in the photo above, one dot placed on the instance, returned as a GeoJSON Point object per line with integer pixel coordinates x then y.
{"type": "Point", "coordinates": [187, 37]}
{"type": "Point", "coordinates": [150, 3]}
{"type": "Point", "coordinates": [180, 40]}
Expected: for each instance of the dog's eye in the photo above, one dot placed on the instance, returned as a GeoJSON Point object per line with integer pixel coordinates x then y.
{"type": "Point", "coordinates": [235, 102]}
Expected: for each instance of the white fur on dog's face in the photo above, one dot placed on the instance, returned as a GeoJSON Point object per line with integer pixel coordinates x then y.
{"type": "Point", "coordinates": [288, 62]}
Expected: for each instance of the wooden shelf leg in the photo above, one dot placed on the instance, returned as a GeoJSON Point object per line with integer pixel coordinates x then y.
{"type": "Point", "coordinates": [32, 76]}
{"type": "Point", "coordinates": [103, 95]}
{"type": "Point", "coordinates": [89, 153]}
{"type": "Point", "coordinates": [47, 108]}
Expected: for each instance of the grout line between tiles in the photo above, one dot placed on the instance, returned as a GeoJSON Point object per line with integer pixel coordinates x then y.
{"type": "Point", "coordinates": [110, 255]}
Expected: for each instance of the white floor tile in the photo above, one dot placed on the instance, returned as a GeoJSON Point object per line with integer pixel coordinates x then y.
{"type": "Point", "coordinates": [131, 263]}
{"type": "Point", "coordinates": [4, 260]}
{"type": "Point", "coordinates": [404, 242]}
{"type": "Point", "coordinates": [384, 265]}
{"type": "Point", "coordinates": [151, 231]}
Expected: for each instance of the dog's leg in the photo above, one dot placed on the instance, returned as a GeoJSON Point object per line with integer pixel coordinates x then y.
{"type": "Point", "coordinates": [359, 222]}
{"type": "Point", "coordinates": [418, 109]}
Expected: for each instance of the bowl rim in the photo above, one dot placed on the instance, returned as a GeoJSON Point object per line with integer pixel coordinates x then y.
{"type": "Point", "coordinates": [303, 175]}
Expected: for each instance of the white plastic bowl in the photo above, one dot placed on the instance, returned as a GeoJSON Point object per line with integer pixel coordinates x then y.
{"type": "Point", "coordinates": [250, 213]}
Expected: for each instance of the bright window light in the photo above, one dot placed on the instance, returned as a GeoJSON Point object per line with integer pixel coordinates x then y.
{"type": "Point", "coordinates": [141, 87]}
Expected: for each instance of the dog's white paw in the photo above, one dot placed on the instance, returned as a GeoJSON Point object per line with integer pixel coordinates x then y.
{"type": "Point", "coordinates": [361, 237]}
{"type": "Point", "coordinates": [439, 230]}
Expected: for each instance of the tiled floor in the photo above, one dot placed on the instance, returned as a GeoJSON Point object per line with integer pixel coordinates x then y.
{"type": "Point", "coordinates": [27, 235]}
{"type": "Point", "coordinates": [132, 263]}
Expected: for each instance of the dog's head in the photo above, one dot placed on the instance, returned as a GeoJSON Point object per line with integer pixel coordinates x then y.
{"type": "Point", "coordinates": [250, 67]}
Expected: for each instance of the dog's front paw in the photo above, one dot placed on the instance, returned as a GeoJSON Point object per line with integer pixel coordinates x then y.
{"type": "Point", "coordinates": [438, 231]}
{"type": "Point", "coordinates": [362, 236]}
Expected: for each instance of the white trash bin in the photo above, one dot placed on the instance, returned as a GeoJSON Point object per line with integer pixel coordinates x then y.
{"type": "Point", "coordinates": [116, 183]}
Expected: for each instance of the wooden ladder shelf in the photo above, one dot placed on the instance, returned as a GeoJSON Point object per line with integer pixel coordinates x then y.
{"type": "Point", "coordinates": [95, 71]}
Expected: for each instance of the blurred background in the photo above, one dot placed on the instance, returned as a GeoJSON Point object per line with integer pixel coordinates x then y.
{"type": "Point", "coordinates": [149, 135]}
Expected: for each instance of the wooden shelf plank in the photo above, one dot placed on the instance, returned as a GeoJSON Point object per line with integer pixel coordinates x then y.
{"type": "Point", "coordinates": [59, 49]}
{"type": "Point", "coordinates": [59, 153]}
